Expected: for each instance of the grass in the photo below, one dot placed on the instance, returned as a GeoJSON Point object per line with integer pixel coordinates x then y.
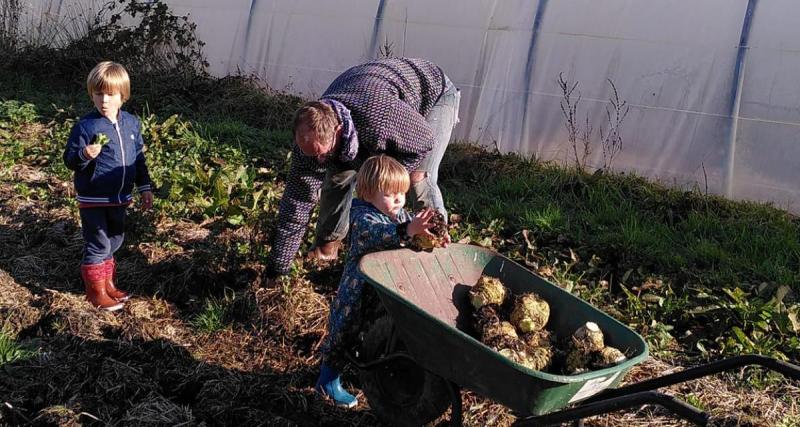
{"type": "Point", "coordinates": [666, 230]}
{"type": "Point", "coordinates": [637, 229]}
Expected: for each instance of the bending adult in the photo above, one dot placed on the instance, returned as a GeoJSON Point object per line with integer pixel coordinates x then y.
{"type": "Point", "coordinates": [402, 107]}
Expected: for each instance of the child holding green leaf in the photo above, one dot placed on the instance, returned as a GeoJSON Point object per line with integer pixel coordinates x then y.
{"type": "Point", "coordinates": [105, 149]}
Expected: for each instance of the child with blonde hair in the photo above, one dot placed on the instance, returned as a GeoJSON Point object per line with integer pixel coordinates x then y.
{"type": "Point", "coordinates": [105, 149]}
{"type": "Point", "coordinates": [377, 222]}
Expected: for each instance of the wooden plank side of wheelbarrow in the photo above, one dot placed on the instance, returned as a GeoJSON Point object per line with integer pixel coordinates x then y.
{"type": "Point", "coordinates": [436, 283]}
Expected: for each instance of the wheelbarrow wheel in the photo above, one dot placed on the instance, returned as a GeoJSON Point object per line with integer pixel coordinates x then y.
{"type": "Point", "coordinates": [400, 391]}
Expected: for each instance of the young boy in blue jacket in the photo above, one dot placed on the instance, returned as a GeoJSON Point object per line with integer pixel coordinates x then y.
{"type": "Point", "coordinates": [105, 149]}
{"type": "Point", "coordinates": [377, 222]}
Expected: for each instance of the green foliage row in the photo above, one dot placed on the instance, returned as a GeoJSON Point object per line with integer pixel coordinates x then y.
{"type": "Point", "coordinates": [713, 253]}
{"type": "Point", "coordinates": [197, 175]}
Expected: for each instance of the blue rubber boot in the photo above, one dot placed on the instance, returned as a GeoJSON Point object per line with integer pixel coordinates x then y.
{"type": "Point", "coordinates": [329, 385]}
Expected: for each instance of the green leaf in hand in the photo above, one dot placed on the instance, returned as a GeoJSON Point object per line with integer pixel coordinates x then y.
{"type": "Point", "coordinates": [101, 139]}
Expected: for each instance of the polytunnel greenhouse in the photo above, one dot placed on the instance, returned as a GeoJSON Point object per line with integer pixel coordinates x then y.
{"type": "Point", "coordinates": [711, 87]}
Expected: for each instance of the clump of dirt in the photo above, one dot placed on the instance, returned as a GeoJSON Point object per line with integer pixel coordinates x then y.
{"type": "Point", "coordinates": [293, 307]}
{"type": "Point", "coordinates": [71, 314]}
{"type": "Point", "coordinates": [151, 319]}
{"type": "Point", "coordinates": [18, 306]}
{"type": "Point", "coordinates": [438, 231]}
{"type": "Point", "coordinates": [156, 410]}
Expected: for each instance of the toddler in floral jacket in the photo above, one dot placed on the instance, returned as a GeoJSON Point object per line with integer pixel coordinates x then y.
{"type": "Point", "coordinates": [377, 222]}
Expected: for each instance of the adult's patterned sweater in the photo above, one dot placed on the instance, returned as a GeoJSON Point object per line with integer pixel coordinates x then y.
{"type": "Point", "coordinates": [382, 107]}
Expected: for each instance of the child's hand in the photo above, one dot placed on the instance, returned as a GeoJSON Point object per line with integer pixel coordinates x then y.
{"type": "Point", "coordinates": [421, 223]}
{"type": "Point", "coordinates": [92, 150]}
{"type": "Point", "coordinates": [147, 200]}
{"type": "Point", "coordinates": [447, 240]}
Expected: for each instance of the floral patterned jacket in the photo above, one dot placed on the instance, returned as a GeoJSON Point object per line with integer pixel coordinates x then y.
{"type": "Point", "coordinates": [370, 231]}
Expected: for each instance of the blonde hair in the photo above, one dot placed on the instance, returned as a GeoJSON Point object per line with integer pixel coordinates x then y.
{"type": "Point", "coordinates": [381, 173]}
{"type": "Point", "coordinates": [318, 117]}
{"type": "Point", "coordinates": [109, 77]}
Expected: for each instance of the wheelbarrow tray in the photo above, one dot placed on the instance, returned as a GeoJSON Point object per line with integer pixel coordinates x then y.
{"type": "Point", "coordinates": [426, 294]}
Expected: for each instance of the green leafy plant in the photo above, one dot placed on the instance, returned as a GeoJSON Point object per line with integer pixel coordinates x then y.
{"type": "Point", "coordinates": [212, 317]}
{"type": "Point", "coordinates": [11, 351]}
{"type": "Point", "coordinates": [101, 139]}
{"type": "Point", "coordinates": [14, 113]}
{"type": "Point", "coordinates": [755, 324]}
{"type": "Point", "coordinates": [197, 176]}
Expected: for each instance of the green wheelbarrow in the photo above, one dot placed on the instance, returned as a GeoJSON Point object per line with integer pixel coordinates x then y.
{"type": "Point", "coordinates": [414, 360]}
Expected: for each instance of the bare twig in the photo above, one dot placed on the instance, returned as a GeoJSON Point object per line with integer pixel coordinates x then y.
{"type": "Point", "coordinates": [705, 177]}
{"type": "Point", "coordinates": [9, 23]}
{"type": "Point", "coordinates": [611, 140]}
{"type": "Point", "coordinates": [569, 110]}
{"type": "Point", "coordinates": [387, 50]}
{"type": "Point", "coordinates": [586, 140]}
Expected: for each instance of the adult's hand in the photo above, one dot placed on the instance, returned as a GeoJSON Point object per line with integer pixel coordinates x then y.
{"type": "Point", "coordinates": [270, 282]}
{"type": "Point", "coordinates": [327, 251]}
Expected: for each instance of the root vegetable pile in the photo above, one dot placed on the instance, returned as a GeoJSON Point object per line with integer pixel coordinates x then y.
{"type": "Point", "coordinates": [515, 327]}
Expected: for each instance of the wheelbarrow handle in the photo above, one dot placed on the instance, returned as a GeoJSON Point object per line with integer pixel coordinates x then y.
{"type": "Point", "coordinates": [787, 369]}
{"type": "Point", "coordinates": [584, 410]}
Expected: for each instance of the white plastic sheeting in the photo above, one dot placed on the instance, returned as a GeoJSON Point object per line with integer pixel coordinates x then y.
{"type": "Point", "coordinates": [713, 85]}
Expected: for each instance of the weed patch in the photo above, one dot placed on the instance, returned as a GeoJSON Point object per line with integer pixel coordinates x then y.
{"type": "Point", "coordinates": [211, 318]}
{"type": "Point", "coordinates": [11, 351]}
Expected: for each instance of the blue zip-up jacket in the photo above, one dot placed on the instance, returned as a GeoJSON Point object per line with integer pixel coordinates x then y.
{"type": "Point", "coordinates": [108, 179]}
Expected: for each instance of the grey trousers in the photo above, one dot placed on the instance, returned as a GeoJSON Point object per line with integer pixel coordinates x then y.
{"type": "Point", "coordinates": [338, 185]}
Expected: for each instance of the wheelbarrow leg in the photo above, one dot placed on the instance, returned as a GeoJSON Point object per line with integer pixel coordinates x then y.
{"type": "Point", "coordinates": [456, 415]}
